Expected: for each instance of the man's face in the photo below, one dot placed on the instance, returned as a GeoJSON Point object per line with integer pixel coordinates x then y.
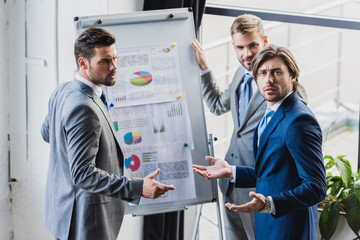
{"type": "Point", "coordinates": [274, 80]}
{"type": "Point", "coordinates": [102, 66]}
{"type": "Point", "coordinates": [247, 45]}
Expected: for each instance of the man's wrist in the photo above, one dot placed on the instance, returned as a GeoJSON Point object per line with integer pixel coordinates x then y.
{"type": "Point", "coordinates": [267, 207]}
{"type": "Point", "coordinates": [205, 71]}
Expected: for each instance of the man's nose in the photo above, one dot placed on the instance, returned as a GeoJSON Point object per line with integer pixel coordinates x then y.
{"type": "Point", "coordinates": [269, 78]}
{"type": "Point", "coordinates": [113, 65]}
{"type": "Point", "coordinates": [247, 52]}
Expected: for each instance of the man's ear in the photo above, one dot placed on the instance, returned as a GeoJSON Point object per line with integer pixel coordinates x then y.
{"type": "Point", "coordinates": [265, 41]}
{"type": "Point", "coordinates": [293, 78]}
{"type": "Point", "coordinates": [83, 63]}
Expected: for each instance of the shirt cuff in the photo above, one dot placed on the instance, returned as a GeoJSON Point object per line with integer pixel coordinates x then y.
{"type": "Point", "coordinates": [205, 72]}
{"type": "Point", "coordinates": [233, 180]}
{"type": "Point", "coordinates": [272, 208]}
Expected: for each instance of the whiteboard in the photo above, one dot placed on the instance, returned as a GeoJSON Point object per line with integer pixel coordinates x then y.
{"type": "Point", "coordinates": [170, 25]}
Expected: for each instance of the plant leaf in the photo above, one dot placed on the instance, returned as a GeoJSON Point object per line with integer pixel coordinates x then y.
{"type": "Point", "coordinates": [345, 193]}
{"type": "Point", "coordinates": [352, 206]}
{"type": "Point", "coordinates": [357, 189]}
{"type": "Point", "coordinates": [335, 188]}
{"type": "Point", "coordinates": [329, 219]}
{"type": "Point", "coordinates": [330, 163]}
{"type": "Point", "coordinates": [334, 185]}
{"type": "Point", "coordinates": [344, 167]}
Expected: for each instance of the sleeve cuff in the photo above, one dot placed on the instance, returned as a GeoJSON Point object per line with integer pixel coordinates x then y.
{"type": "Point", "coordinates": [272, 208]}
{"type": "Point", "coordinates": [205, 72]}
{"type": "Point", "coordinates": [233, 180]}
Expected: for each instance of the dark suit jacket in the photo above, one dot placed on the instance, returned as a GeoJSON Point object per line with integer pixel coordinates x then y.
{"type": "Point", "coordinates": [289, 168]}
{"type": "Point", "coordinates": [85, 186]}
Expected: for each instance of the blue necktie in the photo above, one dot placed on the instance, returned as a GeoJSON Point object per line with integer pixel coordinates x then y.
{"type": "Point", "coordinates": [245, 96]}
{"type": "Point", "coordinates": [103, 98]}
{"type": "Point", "coordinates": [264, 121]}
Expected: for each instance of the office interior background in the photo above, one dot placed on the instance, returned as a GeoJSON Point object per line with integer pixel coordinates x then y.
{"type": "Point", "coordinates": [36, 49]}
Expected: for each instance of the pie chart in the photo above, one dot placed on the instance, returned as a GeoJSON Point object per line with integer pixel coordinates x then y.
{"type": "Point", "coordinates": [166, 50]}
{"type": "Point", "coordinates": [141, 78]}
{"type": "Point", "coordinates": [132, 163]}
{"type": "Point", "coordinates": [132, 138]}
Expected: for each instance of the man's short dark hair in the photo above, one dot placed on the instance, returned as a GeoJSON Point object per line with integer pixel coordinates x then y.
{"type": "Point", "coordinates": [89, 39]}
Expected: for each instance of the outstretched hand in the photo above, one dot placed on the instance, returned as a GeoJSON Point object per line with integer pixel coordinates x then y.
{"type": "Point", "coordinates": [221, 169]}
{"type": "Point", "coordinates": [199, 55]}
{"type": "Point", "coordinates": [152, 188]}
{"type": "Point", "coordinates": [254, 205]}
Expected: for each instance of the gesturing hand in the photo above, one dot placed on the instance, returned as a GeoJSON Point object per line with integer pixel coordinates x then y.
{"type": "Point", "coordinates": [221, 169]}
{"type": "Point", "coordinates": [152, 188]}
{"type": "Point", "coordinates": [254, 205]}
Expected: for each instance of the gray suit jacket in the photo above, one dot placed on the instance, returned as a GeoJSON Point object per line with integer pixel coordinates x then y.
{"type": "Point", "coordinates": [240, 152]}
{"type": "Point", "coordinates": [85, 186]}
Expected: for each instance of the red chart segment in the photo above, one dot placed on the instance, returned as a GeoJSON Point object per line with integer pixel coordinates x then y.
{"type": "Point", "coordinates": [141, 78]}
{"type": "Point", "coordinates": [132, 163]}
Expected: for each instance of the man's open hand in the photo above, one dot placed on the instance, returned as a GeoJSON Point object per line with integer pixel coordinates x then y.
{"type": "Point", "coordinates": [221, 169]}
{"type": "Point", "coordinates": [152, 188]}
{"type": "Point", "coordinates": [254, 205]}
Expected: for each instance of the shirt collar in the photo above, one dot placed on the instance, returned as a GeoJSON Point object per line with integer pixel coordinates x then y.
{"type": "Point", "coordinates": [97, 90]}
{"type": "Point", "coordinates": [277, 104]}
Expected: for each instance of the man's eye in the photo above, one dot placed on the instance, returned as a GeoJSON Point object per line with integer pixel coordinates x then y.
{"type": "Point", "coordinates": [253, 45]}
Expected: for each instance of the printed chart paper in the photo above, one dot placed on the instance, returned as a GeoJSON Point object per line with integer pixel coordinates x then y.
{"type": "Point", "coordinates": [151, 118]}
{"type": "Point", "coordinates": [145, 74]}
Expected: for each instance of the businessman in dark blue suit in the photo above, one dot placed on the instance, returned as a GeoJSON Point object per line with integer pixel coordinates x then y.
{"type": "Point", "coordinates": [289, 173]}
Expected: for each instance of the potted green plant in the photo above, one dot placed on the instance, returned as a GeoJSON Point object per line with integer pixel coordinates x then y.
{"type": "Point", "coordinates": [343, 196]}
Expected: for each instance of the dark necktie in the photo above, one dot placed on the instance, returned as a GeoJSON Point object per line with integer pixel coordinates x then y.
{"type": "Point", "coordinates": [264, 121]}
{"type": "Point", "coordinates": [103, 98]}
{"type": "Point", "coordinates": [245, 96]}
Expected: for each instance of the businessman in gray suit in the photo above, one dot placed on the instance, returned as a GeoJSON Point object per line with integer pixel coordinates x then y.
{"type": "Point", "coordinates": [85, 184]}
{"type": "Point", "coordinates": [247, 107]}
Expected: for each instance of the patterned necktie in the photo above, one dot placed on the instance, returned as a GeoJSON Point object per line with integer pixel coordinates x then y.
{"type": "Point", "coordinates": [245, 96]}
{"type": "Point", "coordinates": [103, 98]}
{"type": "Point", "coordinates": [264, 121]}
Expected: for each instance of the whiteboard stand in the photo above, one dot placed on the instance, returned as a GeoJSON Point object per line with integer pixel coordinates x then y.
{"type": "Point", "coordinates": [199, 207]}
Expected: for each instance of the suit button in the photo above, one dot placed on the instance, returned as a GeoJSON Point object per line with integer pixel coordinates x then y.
{"type": "Point", "coordinates": [232, 155]}
{"type": "Point", "coordinates": [258, 180]}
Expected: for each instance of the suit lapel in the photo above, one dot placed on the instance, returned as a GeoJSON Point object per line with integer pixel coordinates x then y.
{"type": "Point", "coordinates": [102, 107]}
{"type": "Point", "coordinates": [254, 104]}
{"type": "Point", "coordinates": [90, 93]}
{"type": "Point", "coordinates": [270, 127]}
{"type": "Point", "coordinates": [234, 104]}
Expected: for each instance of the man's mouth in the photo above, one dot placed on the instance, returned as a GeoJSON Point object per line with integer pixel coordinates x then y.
{"type": "Point", "coordinates": [248, 61]}
{"type": "Point", "coordinates": [269, 90]}
{"type": "Point", "coordinates": [112, 75]}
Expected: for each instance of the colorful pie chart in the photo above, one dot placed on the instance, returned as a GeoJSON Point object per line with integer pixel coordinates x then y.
{"type": "Point", "coordinates": [132, 163]}
{"type": "Point", "coordinates": [166, 50]}
{"type": "Point", "coordinates": [132, 138]}
{"type": "Point", "coordinates": [141, 78]}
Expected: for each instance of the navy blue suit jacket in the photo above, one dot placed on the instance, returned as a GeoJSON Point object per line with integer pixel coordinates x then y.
{"type": "Point", "coordinates": [288, 167]}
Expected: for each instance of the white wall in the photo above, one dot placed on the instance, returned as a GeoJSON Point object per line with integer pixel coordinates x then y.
{"type": "Point", "coordinates": [5, 214]}
{"type": "Point", "coordinates": [36, 49]}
